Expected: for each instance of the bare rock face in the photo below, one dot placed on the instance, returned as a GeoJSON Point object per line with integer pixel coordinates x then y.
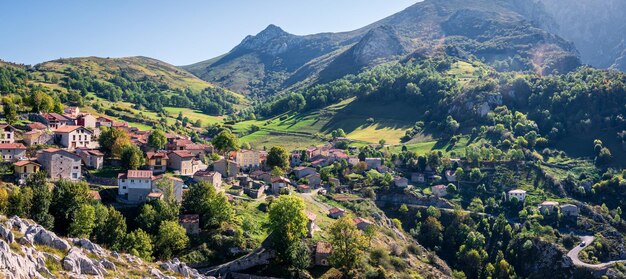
{"type": "Point", "coordinates": [13, 265]}
{"type": "Point", "coordinates": [79, 258]}
{"type": "Point", "coordinates": [181, 268]}
{"type": "Point", "coordinates": [77, 262]}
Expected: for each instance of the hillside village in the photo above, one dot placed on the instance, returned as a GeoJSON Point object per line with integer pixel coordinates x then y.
{"type": "Point", "coordinates": [69, 147]}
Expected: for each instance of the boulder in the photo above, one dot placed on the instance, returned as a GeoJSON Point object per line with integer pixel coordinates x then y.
{"type": "Point", "coordinates": [39, 235]}
{"type": "Point", "coordinates": [7, 234]}
{"type": "Point", "coordinates": [77, 262]}
{"type": "Point", "coordinates": [17, 266]}
{"type": "Point", "coordinates": [176, 266]}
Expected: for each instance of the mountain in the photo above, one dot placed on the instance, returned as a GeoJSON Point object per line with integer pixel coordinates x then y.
{"type": "Point", "coordinates": [597, 28]}
{"type": "Point", "coordinates": [506, 34]}
{"type": "Point", "coordinates": [135, 68]}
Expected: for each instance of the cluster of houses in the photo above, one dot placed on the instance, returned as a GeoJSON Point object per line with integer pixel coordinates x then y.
{"type": "Point", "coordinates": [546, 207]}
{"type": "Point", "coordinates": [70, 138]}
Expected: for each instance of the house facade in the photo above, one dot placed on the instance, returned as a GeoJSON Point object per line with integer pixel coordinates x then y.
{"type": "Point", "coordinates": [213, 177]}
{"type": "Point", "coordinates": [60, 164]}
{"type": "Point", "coordinates": [11, 152]}
{"type": "Point", "coordinates": [182, 161]}
{"type": "Point", "coordinates": [226, 168]}
{"type": "Point", "coordinates": [157, 161]}
{"type": "Point", "coordinates": [8, 134]}
{"type": "Point", "coordinates": [25, 168]}
{"type": "Point", "coordinates": [72, 137]}
{"type": "Point", "coordinates": [518, 194]}
{"type": "Point", "coordinates": [92, 158]}
{"type": "Point", "coordinates": [135, 185]}
{"type": "Point", "coordinates": [248, 159]}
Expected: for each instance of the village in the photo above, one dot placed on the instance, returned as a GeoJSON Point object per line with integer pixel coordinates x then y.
{"type": "Point", "coordinates": [66, 147]}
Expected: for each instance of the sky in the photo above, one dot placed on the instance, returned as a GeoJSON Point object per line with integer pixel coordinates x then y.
{"type": "Point", "coordinates": [179, 32]}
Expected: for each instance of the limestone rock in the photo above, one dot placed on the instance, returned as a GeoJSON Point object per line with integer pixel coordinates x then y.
{"type": "Point", "coordinates": [77, 262]}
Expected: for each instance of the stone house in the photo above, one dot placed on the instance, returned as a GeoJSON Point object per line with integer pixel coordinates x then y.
{"type": "Point", "coordinates": [262, 176]}
{"type": "Point", "coordinates": [220, 166]}
{"type": "Point", "coordinates": [310, 225]}
{"type": "Point", "coordinates": [86, 120]}
{"type": "Point", "coordinates": [373, 163]}
{"type": "Point", "coordinates": [157, 161]}
{"type": "Point", "coordinates": [72, 137]}
{"type": "Point", "coordinates": [11, 152]}
{"type": "Point", "coordinates": [336, 213]}
{"type": "Point", "coordinates": [92, 158]}
{"type": "Point", "coordinates": [301, 172]}
{"type": "Point", "coordinates": [315, 179]}
{"type": "Point", "coordinates": [362, 224]}
{"type": "Point", "coordinates": [7, 134]}
{"type": "Point", "coordinates": [518, 194]}
{"type": "Point", "coordinates": [35, 137]}
{"type": "Point", "coordinates": [255, 189]}
{"type": "Point", "coordinates": [60, 164]}
{"type": "Point", "coordinates": [322, 253]}
{"type": "Point", "coordinates": [279, 183]}
{"type": "Point", "coordinates": [213, 177]}
{"type": "Point", "coordinates": [55, 120]}
{"type": "Point", "coordinates": [182, 161]}
{"type": "Point", "coordinates": [401, 182]}
{"type": "Point", "coordinates": [353, 160]}
{"type": "Point", "coordinates": [439, 190]}
{"type": "Point", "coordinates": [569, 210]}
{"type": "Point", "coordinates": [450, 176]}
{"type": "Point", "coordinates": [548, 206]}
{"type": "Point", "coordinates": [295, 158]}
{"type": "Point", "coordinates": [302, 188]}
{"type": "Point", "coordinates": [191, 223]}
{"type": "Point", "coordinates": [135, 185]}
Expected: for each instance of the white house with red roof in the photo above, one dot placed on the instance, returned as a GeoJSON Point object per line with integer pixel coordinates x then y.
{"type": "Point", "coordinates": [135, 185]}
{"type": "Point", "coordinates": [11, 152]}
{"type": "Point", "coordinates": [71, 137]}
{"type": "Point", "coordinates": [7, 135]}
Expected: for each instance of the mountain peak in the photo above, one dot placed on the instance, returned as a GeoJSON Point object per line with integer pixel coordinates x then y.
{"type": "Point", "coordinates": [272, 30]}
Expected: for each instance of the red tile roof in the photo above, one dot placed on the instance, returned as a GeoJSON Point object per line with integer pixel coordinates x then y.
{"type": "Point", "coordinates": [189, 218]}
{"type": "Point", "coordinates": [36, 126]}
{"type": "Point", "coordinates": [67, 129]}
{"type": "Point", "coordinates": [139, 174]}
{"type": "Point", "coordinates": [12, 146]}
{"type": "Point", "coordinates": [158, 154]}
{"type": "Point", "coordinates": [336, 210]}
{"type": "Point", "coordinates": [182, 153]}
{"type": "Point", "coordinates": [323, 248]}
{"type": "Point", "coordinates": [24, 163]}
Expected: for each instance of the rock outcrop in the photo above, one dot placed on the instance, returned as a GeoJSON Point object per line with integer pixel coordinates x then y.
{"type": "Point", "coordinates": [22, 255]}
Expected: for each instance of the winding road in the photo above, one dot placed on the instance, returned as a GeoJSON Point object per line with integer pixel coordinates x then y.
{"type": "Point", "coordinates": [573, 254]}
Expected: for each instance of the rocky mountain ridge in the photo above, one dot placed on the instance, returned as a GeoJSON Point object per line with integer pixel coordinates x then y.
{"type": "Point", "coordinates": [507, 34]}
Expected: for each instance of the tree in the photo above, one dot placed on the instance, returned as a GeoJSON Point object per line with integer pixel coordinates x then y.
{"type": "Point", "coordinates": [83, 221]}
{"type": "Point", "coordinates": [431, 233]}
{"type": "Point", "coordinates": [476, 206]}
{"type": "Point", "coordinates": [278, 157]}
{"type": "Point", "coordinates": [276, 171]}
{"type": "Point", "coordinates": [157, 139]}
{"type": "Point", "coordinates": [132, 157]}
{"type": "Point", "coordinates": [112, 140]}
{"type": "Point", "coordinates": [4, 200]}
{"type": "Point", "coordinates": [225, 142]}
{"type": "Point", "coordinates": [138, 243]}
{"type": "Point", "coordinates": [67, 197]}
{"type": "Point", "coordinates": [245, 145]}
{"type": "Point", "coordinates": [15, 203]}
{"type": "Point", "coordinates": [10, 111]}
{"type": "Point", "coordinates": [300, 256]}
{"type": "Point", "coordinates": [42, 199]}
{"type": "Point", "coordinates": [113, 231]}
{"type": "Point", "coordinates": [148, 219]}
{"type": "Point", "coordinates": [348, 245]}
{"type": "Point", "coordinates": [287, 223]}
{"type": "Point", "coordinates": [339, 133]}
{"type": "Point", "coordinates": [213, 207]}
{"type": "Point", "coordinates": [171, 239]}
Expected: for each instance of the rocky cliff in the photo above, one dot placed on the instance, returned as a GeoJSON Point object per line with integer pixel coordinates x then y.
{"type": "Point", "coordinates": [28, 250]}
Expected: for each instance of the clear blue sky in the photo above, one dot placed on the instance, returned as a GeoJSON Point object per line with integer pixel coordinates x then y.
{"type": "Point", "coordinates": [178, 32]}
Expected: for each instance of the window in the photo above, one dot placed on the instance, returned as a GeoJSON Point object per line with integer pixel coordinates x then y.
{"type": "Point", "coordinates": [124, 187]}
{"type": "Point", "coordinates": [132, 181]}
{"type": "Point", "coordinates": [75, 167]}
{"type": "Point", "coordinates": [73, 137]}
